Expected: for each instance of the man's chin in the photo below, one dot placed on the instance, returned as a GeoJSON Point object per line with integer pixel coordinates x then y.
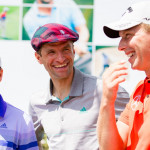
{"type": "Point", "coordinates": [61, 76]}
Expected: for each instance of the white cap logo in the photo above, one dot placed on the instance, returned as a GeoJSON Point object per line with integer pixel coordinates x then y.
{"type": "Point", "coordinates": [129, 10]}
{"type": "Point", "coordinates": [62, 31]}
{"type": "Point", "coordinates": [135, 102]}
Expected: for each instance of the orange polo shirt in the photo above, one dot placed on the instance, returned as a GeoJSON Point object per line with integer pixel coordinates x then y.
{"type": "Point", "coordinates": [137, 116]}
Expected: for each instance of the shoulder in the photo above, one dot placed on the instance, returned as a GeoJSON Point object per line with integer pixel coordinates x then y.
{"type": "Point", "coordinates": [15, 111]}
{"type": "Point", "coordinates": [139, 85]}
{"type": "Point", "coordinates": [88, 77]}
{"type": "Point", "coordinates": [122, 96]}
{"type": "Point", "coordinates": [92, 82]}
{"type": "Point", "coordinates": [92, 79]}
{"type": "Point", "coordinates": [138, 89]}
{"type": "Point", "coordinates": [19, 128]}
{"type": "Point", "coordinates": [40, 96]}
{"type": "Point", "coordinates": [33, 10]}
{"type": "Point", "coordinates": [20, 118]}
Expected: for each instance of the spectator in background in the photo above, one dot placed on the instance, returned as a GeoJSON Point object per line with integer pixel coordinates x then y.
{"type": "Point", "coordinates": [16, 127]}
{"type": "Point", "coordinates": [65, 12]}
{"type": "Point", "coordinates": [67, 110]}
{"type": "Point", "coordinates": [3, 18]}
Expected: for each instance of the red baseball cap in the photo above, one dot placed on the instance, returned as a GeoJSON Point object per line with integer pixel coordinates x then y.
{"type": "Point", "coordinates": [52, 33]}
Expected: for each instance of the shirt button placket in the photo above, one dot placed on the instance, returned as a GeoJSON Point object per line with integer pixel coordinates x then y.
{"type": "Point", "coordinates": [61, 112]}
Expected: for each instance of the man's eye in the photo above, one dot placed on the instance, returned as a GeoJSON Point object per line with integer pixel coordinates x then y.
{"type": "Point", "coordinates": [51, 52]}
{"type": "Point", "coordinates": [128, 36]}
{"type": "Point", "coordinates": [67, 50]}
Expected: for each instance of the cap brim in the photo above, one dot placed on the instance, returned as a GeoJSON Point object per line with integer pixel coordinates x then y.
{"type": "Point", "coordinates": [112, 30]}
{"type": "Point", "coordinates": [38, 42]}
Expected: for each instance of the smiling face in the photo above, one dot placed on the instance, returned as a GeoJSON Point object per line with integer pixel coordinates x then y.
{"type": "Point", "coordinates": [58, 59]}
{"type": "Point", "coordinates": [135, 42]}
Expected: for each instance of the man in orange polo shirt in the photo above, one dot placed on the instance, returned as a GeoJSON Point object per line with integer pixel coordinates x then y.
{"type": "Point", "coordinates": [132, 130]}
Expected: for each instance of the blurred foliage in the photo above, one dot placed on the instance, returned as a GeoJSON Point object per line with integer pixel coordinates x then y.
{"type": "Point", "coordinates": [24, 33]}
{"type": "Point", "coordinates": [44, 143]}
{"type": "Point", "coordinates": [84, 2]}
{"type": "Point", "coordinates": [12, 23]}
{"type": "Point", "coordinates": [28, 1]}
{"type": "Point", "coordinates": [88, 14]}
{"type": "Point", "coordinates": [102, 47]}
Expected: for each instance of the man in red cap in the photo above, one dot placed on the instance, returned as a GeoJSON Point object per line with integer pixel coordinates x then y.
{"type": "Point", "coordinates": [67, 110]}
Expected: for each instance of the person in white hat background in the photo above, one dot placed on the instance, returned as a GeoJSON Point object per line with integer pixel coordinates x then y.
{"type": "Point", "coordinates": [16, 127]}
{"type": "Point", "coordinates": [132, 129]}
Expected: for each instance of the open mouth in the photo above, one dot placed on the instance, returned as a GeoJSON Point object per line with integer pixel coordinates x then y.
{"type": "Point", "coordinates": [131, 54]}
{"type": "Point", "coordinates": [61, 66]}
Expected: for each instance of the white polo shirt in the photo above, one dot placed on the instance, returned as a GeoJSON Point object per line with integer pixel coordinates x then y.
{"type": "Point", "coordinates": [71, 124]}
{"type": "Point", "coordinates": [16, 129]}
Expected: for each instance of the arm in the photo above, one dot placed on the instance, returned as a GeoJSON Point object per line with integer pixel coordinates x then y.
{"type": "Point", "coordinates": [108, 131]}
{"type": "Point", "coordinates": [37, 126]}
{"type": "Point", "coordinates": [27, 137]}
{"type": "Point", "coordinates": [40, 145]}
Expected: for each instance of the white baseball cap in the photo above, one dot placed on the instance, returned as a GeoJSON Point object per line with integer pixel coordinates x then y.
{"type": "Point", "coordinates": [136, 14]}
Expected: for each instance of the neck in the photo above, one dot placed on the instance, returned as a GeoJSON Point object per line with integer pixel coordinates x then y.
{"type": "Point", "coordinates": [147, 73]}
{"type": "Point", "coordinates": [61, 88]}
{"type": "Point", "coordinates": [45, 10]}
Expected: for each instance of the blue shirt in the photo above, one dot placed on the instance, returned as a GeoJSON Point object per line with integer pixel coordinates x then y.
{"type": "Point", "coordinates": [16, 129]}
{"type": "Point", "coordinates": [2, 107]}
{"type": "Point", "coordinates": [67, 14]}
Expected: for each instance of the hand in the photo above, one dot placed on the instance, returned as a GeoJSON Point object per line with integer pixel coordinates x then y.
{"type": "Point", "coordinates": [111, 79]}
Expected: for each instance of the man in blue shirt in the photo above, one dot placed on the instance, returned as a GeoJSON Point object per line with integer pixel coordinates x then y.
{"type": "Point", "coordinates": [16, 127]}
{"type": "Point", "coordinates": [65, 12]}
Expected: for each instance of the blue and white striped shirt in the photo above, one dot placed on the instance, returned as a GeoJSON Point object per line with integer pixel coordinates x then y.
{"type": "Point", "coordinates": [16, 129]}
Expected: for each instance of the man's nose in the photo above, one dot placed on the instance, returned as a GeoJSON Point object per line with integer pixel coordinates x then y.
{"type": "Point", "coordinates": [122, 45]}
{"type": "Point", "coordinates": [60, 57]}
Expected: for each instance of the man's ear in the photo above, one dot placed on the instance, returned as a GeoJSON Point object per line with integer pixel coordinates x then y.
{"type": "Point", "coordinates": [74, 51]}
{"type": "Point", "coordinates": [38, 57]}
{"type": "Point", "coordinates": [1, 74]}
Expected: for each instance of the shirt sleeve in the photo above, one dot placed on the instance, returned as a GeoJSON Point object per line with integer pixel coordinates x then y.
{"type": "Point", "coordinates": [121, 101]}
{"type": "Point", "coordinates": [37, 125]}
{"type": "Point", "coordinates": [27, 137]}
{"type": "Point", "coordinates": [124, 117]}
